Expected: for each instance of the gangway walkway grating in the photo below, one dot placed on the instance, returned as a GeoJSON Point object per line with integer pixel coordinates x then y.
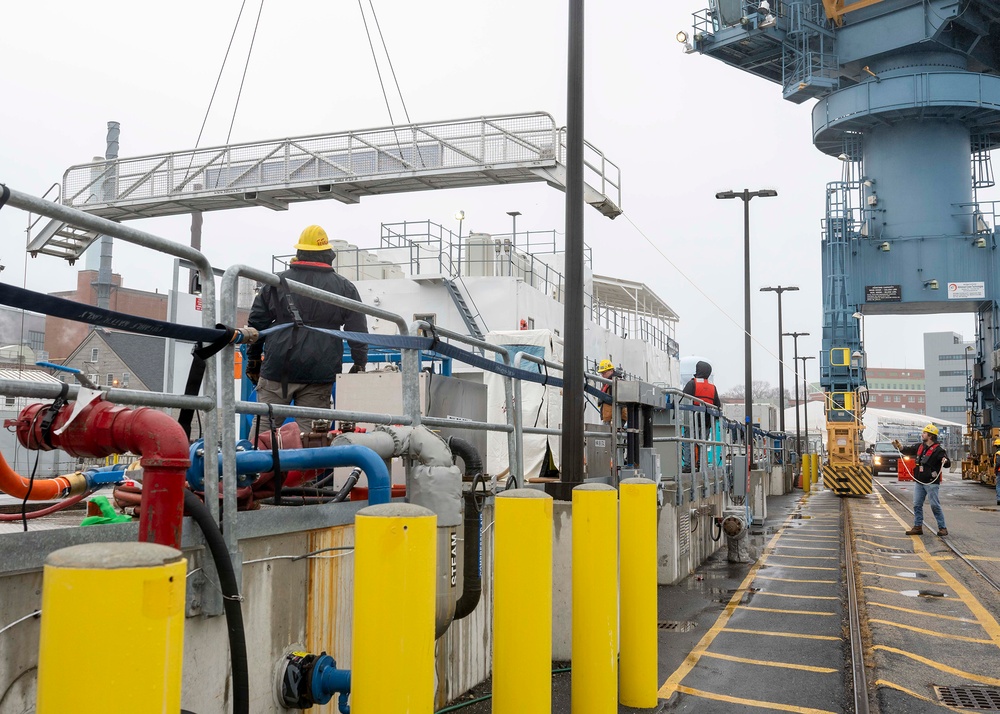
{"type": "Point", "coordinates": [346, 166]}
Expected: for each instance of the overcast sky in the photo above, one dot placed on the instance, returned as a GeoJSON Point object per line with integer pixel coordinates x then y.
{"type": "Point", "coordinates": [681, 127]}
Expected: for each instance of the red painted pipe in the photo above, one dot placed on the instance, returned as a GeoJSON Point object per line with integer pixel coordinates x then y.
{"type": "Point", "coordinates": [102, 429]}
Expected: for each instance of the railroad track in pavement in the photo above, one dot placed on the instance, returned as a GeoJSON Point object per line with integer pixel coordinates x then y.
{"type": "Point", "coordinates": [918, 630]}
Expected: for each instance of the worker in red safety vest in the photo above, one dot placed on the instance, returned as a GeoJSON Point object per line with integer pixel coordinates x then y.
{"type": "Point", "coordinates": [607, 370]}
{"type": "Point", "coordinates": [705, 394]}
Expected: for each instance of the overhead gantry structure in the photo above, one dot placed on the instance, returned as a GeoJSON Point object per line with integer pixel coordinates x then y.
{"type": "Point", "coordinates": [909, 100]}
{"type": "Point", "coordinates": [345, 166]}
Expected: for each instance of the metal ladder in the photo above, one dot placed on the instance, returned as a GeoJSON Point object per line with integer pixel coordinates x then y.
{"type": "Point", "coordinates": [463, 309]}
{"type": "Point", "coordinates": [61, 240]}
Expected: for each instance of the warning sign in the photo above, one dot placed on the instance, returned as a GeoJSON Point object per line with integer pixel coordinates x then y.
{"type": "Point", "coordinates": [197, 304]}
{"type": "Point", "coordinates": [966, 291]}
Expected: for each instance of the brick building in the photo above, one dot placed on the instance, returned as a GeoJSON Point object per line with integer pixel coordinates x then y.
{"type": "Point", "coordinates": [900, 389]}
{"type": "Point", "coordinates": [63, 336]}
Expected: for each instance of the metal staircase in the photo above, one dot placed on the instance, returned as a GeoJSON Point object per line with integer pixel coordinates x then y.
{"type": "Point", "coordinates": [346, 166]}
{"type": "Point", "coordinates": [463, 309]}
{"type": "Point", "coordinates": [61, 240]}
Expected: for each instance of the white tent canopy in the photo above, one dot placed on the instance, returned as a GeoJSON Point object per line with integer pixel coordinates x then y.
{"type": "Point", "coordinates": [880, 424]}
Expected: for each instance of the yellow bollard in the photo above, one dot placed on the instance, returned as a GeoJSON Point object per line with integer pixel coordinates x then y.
{"type": "Point", "coordinates": [522, 603]}
{"type": "Point", "coordinates": [815, 470]}
{"type": "Point", "coordinates": [806, 472]}
{"type": "Point", "coordinates": [595, 600]}
{"type": "Point", "coordinates": [136, 663]}
{"type": "Point", "coordinates": [392, 642]}
{"type": "Point", "coordinates": [638, 683]}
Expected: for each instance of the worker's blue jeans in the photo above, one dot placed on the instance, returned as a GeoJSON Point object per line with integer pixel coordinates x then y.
{"type": "Point", "coordinates": [930, 492]}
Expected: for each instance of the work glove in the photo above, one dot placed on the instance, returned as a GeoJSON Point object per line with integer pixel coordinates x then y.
{"type": "Point", "coordinates": [356, 368]}
{"type": "Point", "coordinates": [895, 442]}
{"type": "Point", "coordinates": [253, 371]}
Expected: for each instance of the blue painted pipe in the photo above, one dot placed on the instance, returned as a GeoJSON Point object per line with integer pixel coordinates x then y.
{"type": "Point", "coordinates": [260, 461]}
{"type": "Point", "coordinates": [327, 680]}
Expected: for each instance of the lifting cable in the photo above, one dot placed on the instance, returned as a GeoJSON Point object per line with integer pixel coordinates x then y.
{"type": "Point", "coordinates": [244, 77]}
{"type": "Point", "coordinates": [215, 89]}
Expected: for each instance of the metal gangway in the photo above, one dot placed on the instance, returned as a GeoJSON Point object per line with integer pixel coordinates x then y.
{"type": "Point", "coordinates": [345, 166]}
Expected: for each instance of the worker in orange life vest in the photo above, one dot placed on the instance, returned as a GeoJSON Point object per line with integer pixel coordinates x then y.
{"type": "Point", "coordinates": [607, 370]}
{"type": "Point", "coordinates": [705, 394]}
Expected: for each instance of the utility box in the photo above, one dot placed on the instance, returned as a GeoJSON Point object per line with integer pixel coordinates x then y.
{"type": "Point", "coordinates": [636, 392]}
{"type": "Point", "coordinates": [440, 396]}
{"type": "Point", "coordinates": [599, 453]}
{"type": "Point", "coordinates": [765, 416]}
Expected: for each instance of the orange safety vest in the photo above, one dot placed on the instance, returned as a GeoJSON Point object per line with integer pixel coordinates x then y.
{"type": "Point", "coordinates": [704, 390]}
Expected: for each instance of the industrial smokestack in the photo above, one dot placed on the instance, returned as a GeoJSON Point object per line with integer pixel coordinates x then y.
{"type": "Point", "coordinates": [109, 193]}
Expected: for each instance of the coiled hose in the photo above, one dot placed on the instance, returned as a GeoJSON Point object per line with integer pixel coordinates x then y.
{"type": "Point", "coordinates": [231, 599]}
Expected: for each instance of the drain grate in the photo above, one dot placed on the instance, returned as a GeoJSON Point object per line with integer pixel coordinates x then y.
{"type": "Point", "coordinates": [677, 626]}
{"type": "Point", "coordinates": [974, 698]}
{"type": "Point", "coordinates": [891, 550]}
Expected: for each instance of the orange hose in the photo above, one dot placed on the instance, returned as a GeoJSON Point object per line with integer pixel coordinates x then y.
{"type": "Point", "coordinates": [42, 489]}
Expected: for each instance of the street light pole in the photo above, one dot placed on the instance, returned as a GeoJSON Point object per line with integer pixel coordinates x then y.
{"type": "Point", "coordinates": [781, 354]}
{"type": "Point", "coordinates": [746, 196]}
{"type": "Point", "coordinates": [805, 396]}
{"type": "Point", "coordinates": [513, 233]}
{"type": "Point", "coordinates": [460, 216]}
{"type": "Point", "coordinates": [798, 435]}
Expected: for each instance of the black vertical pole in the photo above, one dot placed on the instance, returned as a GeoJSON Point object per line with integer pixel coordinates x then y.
{"type": "Point", "coordinates": [748, 375]}
{"type": "Point", "coordinates": [571, 471]}
{"type": "Point", "coordinates": [781, 369]}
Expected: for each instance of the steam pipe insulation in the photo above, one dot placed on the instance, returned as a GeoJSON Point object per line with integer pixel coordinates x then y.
{"type": "Point", "coordinates": [231, 599]}
{"type": "Point", "coordinates": [260, 461]}
{"type": "Point", "coordinates": [101, 429]}
{"type": "Point", "coordinates": [472, 557]}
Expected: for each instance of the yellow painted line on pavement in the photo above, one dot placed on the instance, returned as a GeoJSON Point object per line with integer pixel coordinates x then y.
{"type": "Point", "coordinates": [805, 557]}
{"type": "Point", "coordinates": [987, 558]}
{"type": "Point", "coordinates": [932, 633]}
{"type": "Point", "coordinates": [803, 567]}
{"type": "Point", "coordinates": [673, 681]}
{"type": "Point", "coordinates": [877, 544]}
{"type": "Point", "coordinates": [787, 612]}
{"type": "Point", "coordinates": [807, 537]}
{"type": "Point", "coordinates": [795, 635]}
{"type": "Point", "coordinates": [898, 565]}
{"type": "Point", "coordinates": [772, 706]}
{"type": "Point", "coordinates": [800, 597]}
{"type": "Point", "coordinates": [765, 663]}
{"type": "Point", "coordinates": [793, 580]}
{"type": "Point", "coordinates": [917, 581]}
{"type": "Point", "coordinates": [982, 679]}
{"type": "Point", "coordinates": [899, 688]}
{"type": "Point", "coordinates": [920, 612]}
{"type": "Point", "coordinates": [986, 620]}
{"type": "Point", "coordinates": [806, 547]}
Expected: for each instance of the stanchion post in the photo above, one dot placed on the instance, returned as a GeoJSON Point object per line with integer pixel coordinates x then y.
{"type": "Point", "coordinates": [638, 674]}
{"type": "Point", "coordinates": [144, 652]}
{"type": "Point", "coordinates": [595, 600]}
{"type": "Point", "coordinates": [393, 627]}
{"type": "Point", "coordinates": [522, 603]}
{"type": "Point", "coordinates": [815, 469]}
{"type": "Point", "coordinates": [806, 472]}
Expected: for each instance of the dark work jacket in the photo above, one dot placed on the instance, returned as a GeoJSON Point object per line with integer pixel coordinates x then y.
{"type": "Point", "coordinates": [930, 462]}
{"type": "Point", "coordinates": [313, 357]}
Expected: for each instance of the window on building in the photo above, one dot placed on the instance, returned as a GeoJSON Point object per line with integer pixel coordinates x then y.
{"type": "Point", "coordinates": [910, 399]}
{"type": "Point", "coordinates": [950, 357]}
{"type": "Point", "coordinates": [36, 340]}
{"type": "Point", "coordinates": [952, 373]}
{"type": "Point", "coordinates": [952, 389]}
{"type": "Point", "coordinates": [110, 380]}
{"type": "Point", "coordinates": [125, 378]}
{"type": "Point", "coordinates": [896, 398]}
{"type": "Point", "coordinates": [953, 409]}
{"type": "Point", "coordinates": [94, 353]}
{"type": "Point", "coordinates": [920, 400]}
{"type": "Point", "coordinates": [10, 401]}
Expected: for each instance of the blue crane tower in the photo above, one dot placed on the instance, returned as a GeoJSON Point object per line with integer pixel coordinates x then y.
{"type": "Point", "coordinates": [908, 99]}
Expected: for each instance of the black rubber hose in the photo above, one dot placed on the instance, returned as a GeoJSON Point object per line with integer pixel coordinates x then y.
{"type": "Point", "coordinates": [472, 582]}
{"type": "Point", "coordinates": [231, 600]}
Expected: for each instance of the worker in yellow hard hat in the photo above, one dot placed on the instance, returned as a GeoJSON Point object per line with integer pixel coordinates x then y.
{"type": "Point", "coordinates": [927, 472]}
{"type": "Point", "coordinates": [297, 364]}
{"type": "Point", "coordinates": [607, 369]}
{"type": "Point", "coordinates": [996, 466]}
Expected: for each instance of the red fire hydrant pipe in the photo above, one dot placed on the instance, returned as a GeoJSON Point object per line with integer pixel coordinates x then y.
{"type": "Point", "coordinates": [102, 429]}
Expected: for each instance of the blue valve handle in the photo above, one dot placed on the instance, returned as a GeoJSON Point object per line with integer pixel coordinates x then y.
{"type": "Point", "coordinates": [80, 376]}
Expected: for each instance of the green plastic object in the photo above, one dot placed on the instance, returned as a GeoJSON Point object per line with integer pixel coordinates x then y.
{"type": "Point", "coordinates": [108, 514]}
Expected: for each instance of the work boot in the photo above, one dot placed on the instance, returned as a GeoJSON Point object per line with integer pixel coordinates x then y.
{"type": "Point", "coordinates": [916, 530]}
{"type": "Point", "coordinates": [942, 531]}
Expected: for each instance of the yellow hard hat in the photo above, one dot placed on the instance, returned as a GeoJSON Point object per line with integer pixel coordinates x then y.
{"type": "Point", "coordinates": [313, 238]}
{"type": "Point", "coordinates": [996, 442]}
{"type": "Point", "coordinates": [605, 365]}
{"type": "Point", "coordinates": [931, 429]}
